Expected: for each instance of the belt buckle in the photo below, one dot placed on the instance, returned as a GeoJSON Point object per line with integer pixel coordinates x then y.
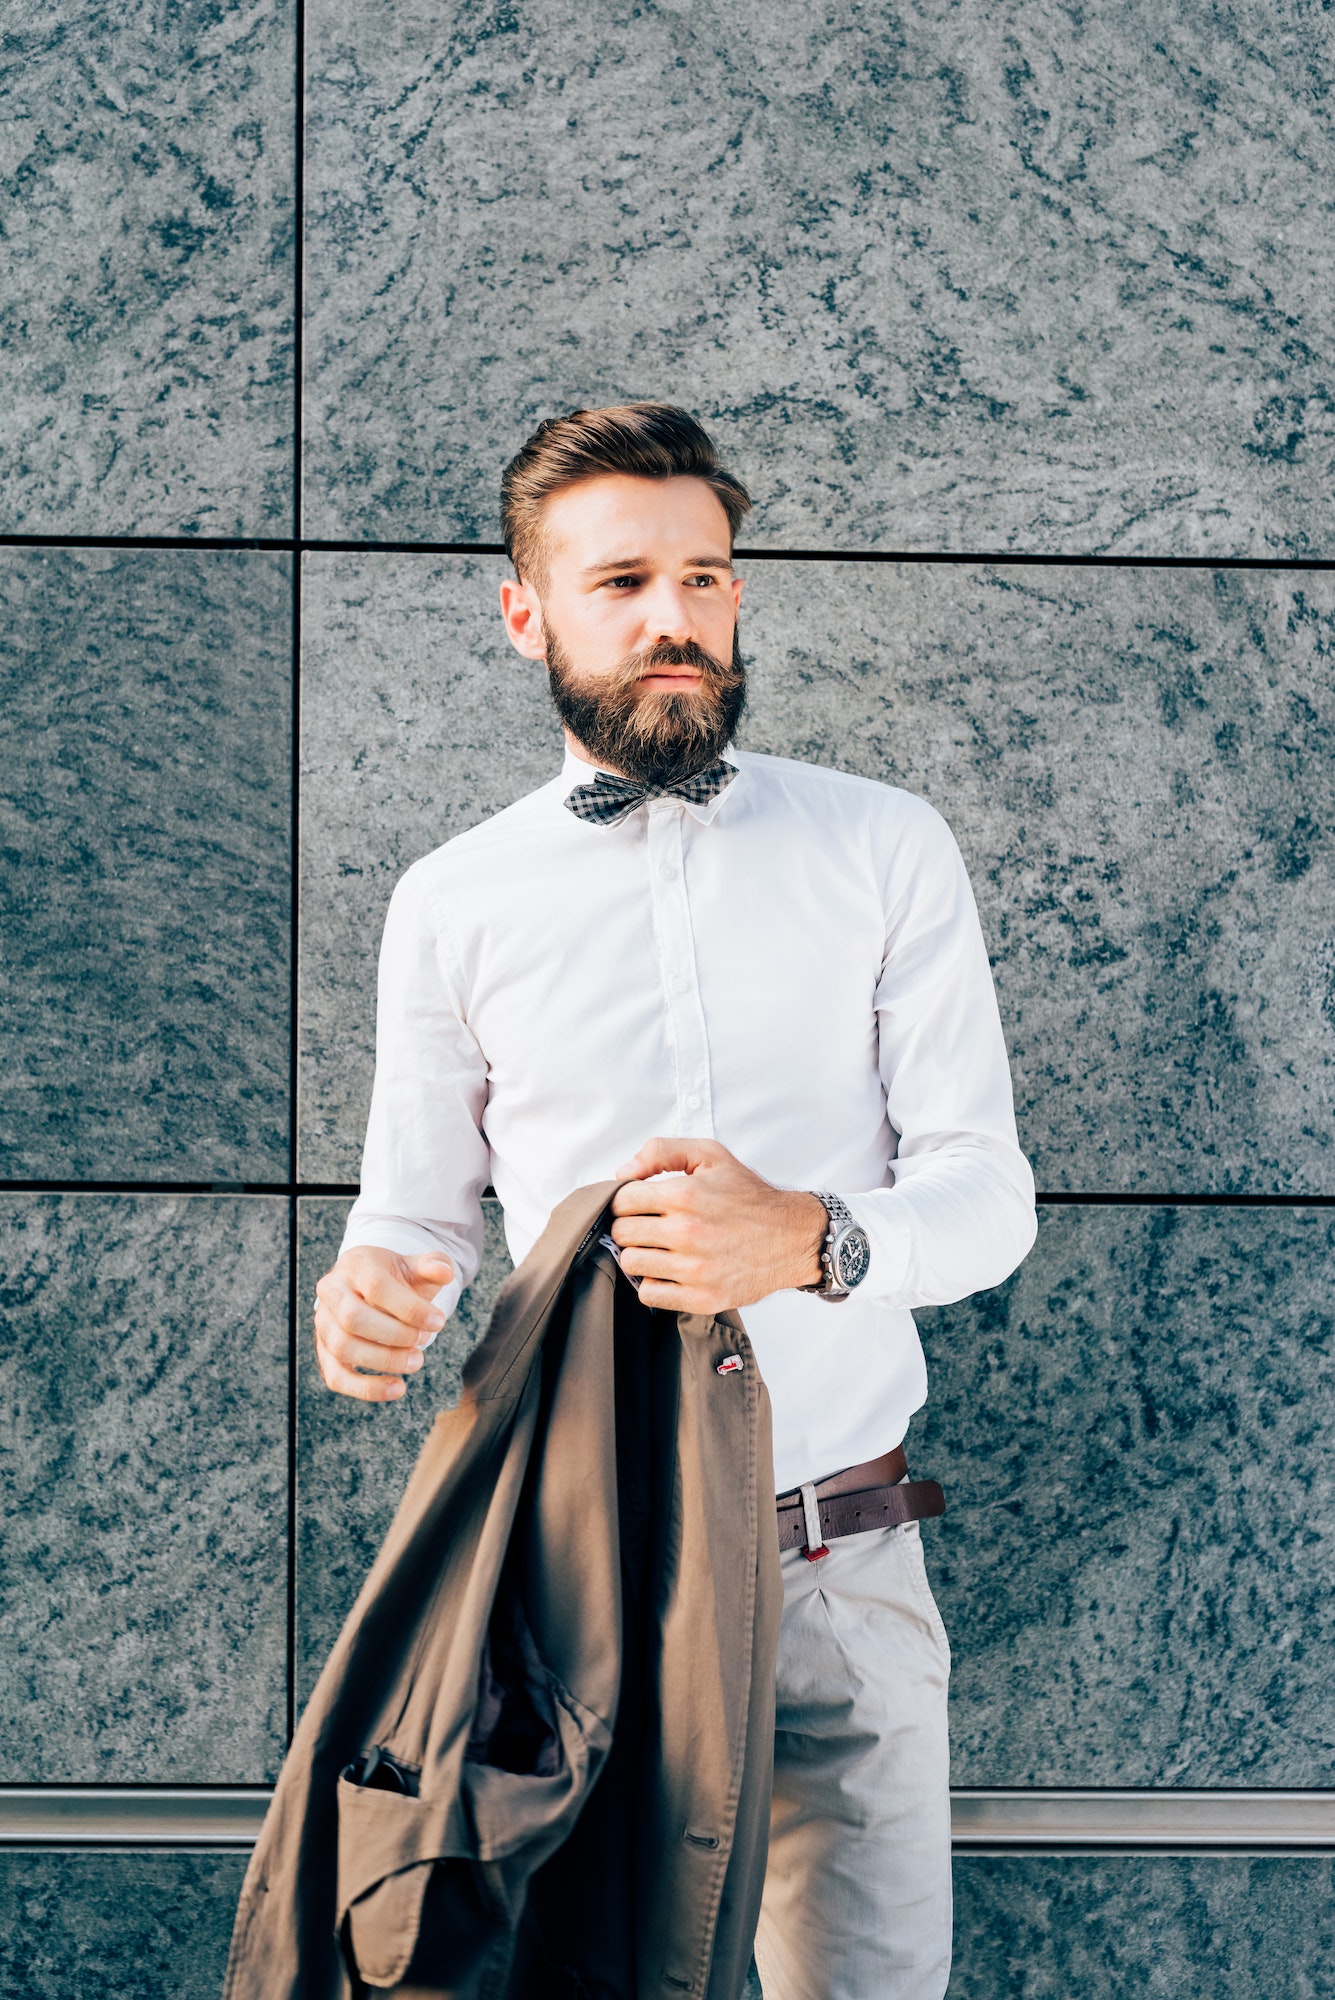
{"type": "Point", "coordinates": [815, 1547]}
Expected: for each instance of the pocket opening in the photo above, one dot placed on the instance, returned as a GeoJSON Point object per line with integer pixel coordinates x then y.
{"type": "Point", "coordinates": [515, 1725]}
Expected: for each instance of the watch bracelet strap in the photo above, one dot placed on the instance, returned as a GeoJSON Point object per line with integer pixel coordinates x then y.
{"type": "Point", "coordinates": [840, 1216]}
{"type": "Point", "coordinates": [839, 1212]}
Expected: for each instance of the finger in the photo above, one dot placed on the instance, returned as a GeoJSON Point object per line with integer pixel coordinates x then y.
{"type": "Point", "coordinates": [665, 1297]}
{"type": "Point", "coordinates": [397, 1298]}
{"type": "Point", "coordinates": [428, 1275]}
{"type": "Point", "coordinates": [672, 1156]}
{"type": "Point", "coordinates": [353, 1319]}
{"type": "Point", "coordinates": [339, 1312]}
{"type": "Point", "coordinates": [347, 1295]}
{"type": "Point", "coordinates": [647, 1232]}
{"type": "Point", "coordinates": [655, 1264]}
{"type": "Point", "coordinates": [364, 1388]}
{"type": "Point", "coordinates": [658, 1197]}
{"type": "Point", "coordinates": [373, 1354]}
{"type": "Point", "coordinates": [338, 1305]}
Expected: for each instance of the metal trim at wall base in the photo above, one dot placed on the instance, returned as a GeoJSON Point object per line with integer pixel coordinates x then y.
{"type": "Point", "coordinates": [991, 1821]}
{"type": "Point", "coordinates": [131, 1816]}
{"type": "Point", "coordinates": [1000, 1820]}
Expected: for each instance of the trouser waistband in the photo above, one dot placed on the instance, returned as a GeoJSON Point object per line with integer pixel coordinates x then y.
{"type": "Point", "coordinates": [876, 1494]}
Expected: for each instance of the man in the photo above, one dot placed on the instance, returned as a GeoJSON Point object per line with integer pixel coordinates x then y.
{"type": "Point", "coordinates": [758, 991]}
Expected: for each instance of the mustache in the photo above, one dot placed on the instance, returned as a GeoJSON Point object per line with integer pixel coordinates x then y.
{"type": "Point", "coordinates": [721, 676]}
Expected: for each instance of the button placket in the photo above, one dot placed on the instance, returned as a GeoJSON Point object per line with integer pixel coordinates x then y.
{"type": "Point", "coordinates": [677, 968]}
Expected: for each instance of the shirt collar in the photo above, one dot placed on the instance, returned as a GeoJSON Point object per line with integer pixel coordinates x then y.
{"type": "Point", "coordinates": [578, 770]}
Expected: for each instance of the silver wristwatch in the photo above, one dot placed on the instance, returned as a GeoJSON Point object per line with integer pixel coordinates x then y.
{"type": "Point", "coordinates": [844, 1254]}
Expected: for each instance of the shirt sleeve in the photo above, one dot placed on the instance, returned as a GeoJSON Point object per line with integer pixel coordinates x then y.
{"type": "Point", "coordinates": [959, 1216]}
{"type": "Point", "coordinates": [426, 1161]}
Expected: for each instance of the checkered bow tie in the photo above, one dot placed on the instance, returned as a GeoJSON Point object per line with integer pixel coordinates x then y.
{"type": "Point", "coordinates": [607, 801]}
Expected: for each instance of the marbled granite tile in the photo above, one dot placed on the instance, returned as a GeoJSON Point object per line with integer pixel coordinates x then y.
{"type": "Point", "coordinates": [143, 1567]}
{"type": "Point", "coordinates": [148, 303]}
{"type": "Point", "coordinates": [1140, 769]}
{"type": "Point", "coordinates": [1136, 1436]}
{"type": "Point", "coordinates": [87, 1925]}
{"type": "Point", "coordinates": [418, 720]}
{"type": "Point", "coordinates": [1027, 276]}
{"type": "Point", "coordinates": [155, 1926]}
{"type": "Point", "coordinates": [145, 890]}
{"type": "Point", "coordinates": [1168, 1926]}
{"type": "Point", "coordinates": [353, 1459]}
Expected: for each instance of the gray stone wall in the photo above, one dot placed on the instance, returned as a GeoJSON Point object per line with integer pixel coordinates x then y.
{"type": "Point", "coordinates": [1018, 319]}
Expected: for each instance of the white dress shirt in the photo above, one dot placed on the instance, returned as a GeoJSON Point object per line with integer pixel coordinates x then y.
{"type": "Point", "coordinates": [796, 970]}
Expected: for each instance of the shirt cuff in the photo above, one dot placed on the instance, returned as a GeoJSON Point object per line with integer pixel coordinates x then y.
{"type": "Point", "coordinates": [887, 1226]}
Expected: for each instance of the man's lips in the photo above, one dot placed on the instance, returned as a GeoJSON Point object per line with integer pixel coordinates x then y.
{"type": "Point", "coordinates": [674, 679]}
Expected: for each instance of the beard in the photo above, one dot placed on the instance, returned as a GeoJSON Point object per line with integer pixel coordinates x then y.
{"type": "Point", "coordinates": [655, 737]}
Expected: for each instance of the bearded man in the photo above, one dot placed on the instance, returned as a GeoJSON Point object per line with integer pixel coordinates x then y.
{"type": "Point", "coordinates": [757, 992]}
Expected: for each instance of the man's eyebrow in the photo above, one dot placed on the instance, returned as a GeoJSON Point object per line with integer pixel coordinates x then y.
{"type": "Point", "coordinates": [642, 562]}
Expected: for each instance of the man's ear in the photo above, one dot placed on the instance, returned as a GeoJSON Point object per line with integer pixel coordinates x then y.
{"type": "Point", "coordinates": [521, 608]}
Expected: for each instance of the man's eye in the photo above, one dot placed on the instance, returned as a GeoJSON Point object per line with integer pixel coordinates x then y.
{"type": "Point", "coordinates": [622, 582]}
{"type": "Point", "coordinates": [705, 579]}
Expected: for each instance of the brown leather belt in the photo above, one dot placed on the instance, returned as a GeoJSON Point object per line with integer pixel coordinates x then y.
{"type": "Point", "coordinates": [855, 1500]}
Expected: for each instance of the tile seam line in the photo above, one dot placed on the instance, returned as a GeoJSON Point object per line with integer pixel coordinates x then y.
{"type": "Point", "coordinates": [942, 558]}
{"type": "Point", "coordinates": [290, 1186]}
{"type": "Point", "coordinates": [340, 1190]}
{"type": "Point", "coordinates": [262, 1789]}
{"type": "Point", "coordinates": [963, 1848]}
{"type": "Point", "coordinates": [298, 264]}
{"type": "Point", "coordinates": [294, 835]}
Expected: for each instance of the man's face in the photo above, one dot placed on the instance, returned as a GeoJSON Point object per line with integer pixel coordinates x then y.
{"type": "Point", "coordinates": [637, 621]}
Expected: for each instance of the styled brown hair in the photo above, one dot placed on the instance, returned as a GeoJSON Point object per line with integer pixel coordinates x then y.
{"type": "Point", "coordinates": [647, 440]}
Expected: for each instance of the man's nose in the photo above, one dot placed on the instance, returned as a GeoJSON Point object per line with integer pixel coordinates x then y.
{"type": "Point", "coordinates": [669, 616]}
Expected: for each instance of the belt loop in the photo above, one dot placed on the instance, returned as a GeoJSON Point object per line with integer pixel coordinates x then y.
{"type": "Point", "coordinates": [815, 1547]}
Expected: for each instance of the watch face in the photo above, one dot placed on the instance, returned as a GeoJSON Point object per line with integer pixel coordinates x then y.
{"type": "Point", "coordinates": [852, 1254]}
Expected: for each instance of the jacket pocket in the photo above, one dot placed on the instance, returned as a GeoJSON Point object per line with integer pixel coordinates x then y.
{"type": "Point", "coordinates": [413, 1902]}
{"type": "Point", "coordinates": [431, 1886]}
{"type": "Point", "coordinates": [388, 1844]}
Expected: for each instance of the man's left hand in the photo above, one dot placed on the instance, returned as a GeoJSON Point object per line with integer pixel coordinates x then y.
{"type": "Point", "coordinates": [714, 1236]}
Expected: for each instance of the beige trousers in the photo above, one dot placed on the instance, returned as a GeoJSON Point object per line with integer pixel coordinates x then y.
{"type": "Point", "coordinates": [857, 1893]}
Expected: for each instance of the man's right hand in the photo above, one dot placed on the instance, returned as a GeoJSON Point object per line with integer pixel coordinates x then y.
{"type": "Point", "coordinates": [373, 1313]}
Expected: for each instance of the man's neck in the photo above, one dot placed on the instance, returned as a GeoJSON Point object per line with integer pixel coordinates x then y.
{"type": "Point", "coordinates": [576, 749]}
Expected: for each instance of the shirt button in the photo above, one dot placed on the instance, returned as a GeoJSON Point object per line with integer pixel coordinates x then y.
{"type": "Point", "coordinates": [668, 872]}
{"type": "Point", "coordinates": [679, 982]}
{"type": "Point", "coordinates": [693, 1101]}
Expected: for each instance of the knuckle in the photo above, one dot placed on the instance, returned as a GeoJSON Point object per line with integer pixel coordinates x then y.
{"type": "Point", "coordinates": [368, 1285]}
{"type": "Point", "coordinates": [355, 1319]}
{"type": "Point", "coordinates": [336, 1310]}
{"type": "Point", "coordinates": [339, 1347]}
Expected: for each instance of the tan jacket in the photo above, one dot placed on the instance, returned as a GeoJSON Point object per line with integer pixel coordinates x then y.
{"type": "Point", "coordinates": [581, 1584]}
